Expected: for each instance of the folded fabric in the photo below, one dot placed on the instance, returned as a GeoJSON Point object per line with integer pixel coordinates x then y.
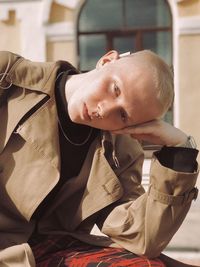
{"type": "Point", "coordinates": [65, 251]}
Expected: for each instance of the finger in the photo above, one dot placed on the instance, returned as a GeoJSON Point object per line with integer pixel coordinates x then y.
{"type": "Point", "coordinates": [147, 127]}
{"type": "Point", "coordinates": [142, 129]}
{"type": "Point", "coordinates": [119, 131]}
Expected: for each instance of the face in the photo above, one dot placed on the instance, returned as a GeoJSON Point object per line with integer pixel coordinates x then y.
{"type": "Point", "coordinates": [113, 97]}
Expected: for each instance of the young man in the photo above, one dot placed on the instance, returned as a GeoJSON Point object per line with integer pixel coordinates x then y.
{"type": "Point", "coordinates": [69, 159]}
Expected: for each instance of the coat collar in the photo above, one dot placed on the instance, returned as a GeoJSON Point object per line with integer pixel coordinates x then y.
{"type": "Point", "coordinates": [31, 82]}
{"type": "Point", "coordinates": [37, 76]}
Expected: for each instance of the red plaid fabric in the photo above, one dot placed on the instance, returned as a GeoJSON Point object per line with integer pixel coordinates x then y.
{"type": "Point", "coordinates": [66, 251]}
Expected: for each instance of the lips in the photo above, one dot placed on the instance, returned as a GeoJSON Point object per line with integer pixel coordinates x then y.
{"type": "Point", "coordinates": [86, 115]}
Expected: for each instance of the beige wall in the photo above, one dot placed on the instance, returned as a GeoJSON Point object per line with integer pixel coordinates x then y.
{"type": "Point", "coordinates": [59, 13]}
{"type": "Point", "coordinates": [189, 75]}
{"type": "Point", "coordinates": [10, 34]}
{"type": "Point", "coordinates": [189, 84]}
{"type": "Point", "coordinates": [61, 51]}
{"type": "Point", "coordinates": [189, 8]}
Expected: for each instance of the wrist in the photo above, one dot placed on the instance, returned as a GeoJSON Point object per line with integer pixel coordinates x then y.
{"type": "Point", "coordinates": [189, 143]}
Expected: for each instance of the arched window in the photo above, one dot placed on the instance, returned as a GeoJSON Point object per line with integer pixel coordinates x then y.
{"type": "Point", "coordinates": [124, 25]}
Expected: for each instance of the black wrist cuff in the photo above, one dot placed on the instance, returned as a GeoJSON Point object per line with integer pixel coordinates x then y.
{"type": "Point", "coordinates": [178, 158]}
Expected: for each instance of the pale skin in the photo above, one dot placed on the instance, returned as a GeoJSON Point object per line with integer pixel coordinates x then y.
{"type": "Point", "coordinates": [113, 98]}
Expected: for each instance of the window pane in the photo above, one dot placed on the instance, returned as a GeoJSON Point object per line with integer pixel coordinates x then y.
{"type": "Point", "coordinates": [124, 44]}
{"type": "Point", "coordinates": [160, 43]}
{"type": "Point", "coordinates": [147, 13]}
{"type": "Point", "coordinates": [169, 116]}
{"type": "Point", "coordinates": [101, 15]}
{"type": "Point", "coordinates": [91, 49]}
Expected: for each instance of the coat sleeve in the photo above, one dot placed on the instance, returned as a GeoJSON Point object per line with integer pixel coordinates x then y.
{"type": "Point", "coordinates": [18, 255]}
{"type": "Point", "coordinates": [145, 222]}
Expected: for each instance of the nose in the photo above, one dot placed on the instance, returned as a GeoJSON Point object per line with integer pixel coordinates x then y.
{"type": "Point", "coordinates": [105, 109]}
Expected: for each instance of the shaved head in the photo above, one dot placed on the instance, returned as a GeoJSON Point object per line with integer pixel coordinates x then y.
{"type": "Point", "coordinates": [161, 73]}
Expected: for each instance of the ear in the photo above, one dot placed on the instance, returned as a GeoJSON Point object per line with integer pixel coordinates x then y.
{"type": "Point", "coordinates": [111, 56]}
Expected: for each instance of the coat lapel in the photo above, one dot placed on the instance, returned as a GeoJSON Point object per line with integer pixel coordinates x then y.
{"type": "Point", "coordinates": [29, 110]}
{"type": "Point", "coordinates": [102, 189]}
{"type": "Point", "coordinates": [12, 112]}
{"type": "Point", "coordinates": [31, 83]}
{"type": "Point", "coordinates": [41, 157]}
{"type": "Point", "coordinates": [41, 132]}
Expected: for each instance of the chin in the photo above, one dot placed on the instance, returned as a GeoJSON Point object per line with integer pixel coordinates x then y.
{"type": "Point", "coordinates": [72, 117]}
{"type": "Point", "coordinates": [77, 120]}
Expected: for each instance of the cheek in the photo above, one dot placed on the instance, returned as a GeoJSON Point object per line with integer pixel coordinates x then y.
{"type": "Point", "coordinates": [74, 107]}
{"type": "Point", "coordinates": [95, 96]}
{"type": "Point", "coordinates": [98, 88]}
{"type": "Point", "coordinates": [72, 111]}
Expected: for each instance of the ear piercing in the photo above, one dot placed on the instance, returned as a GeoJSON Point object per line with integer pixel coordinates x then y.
{"type": "Point", "coordinates": [124, 54]}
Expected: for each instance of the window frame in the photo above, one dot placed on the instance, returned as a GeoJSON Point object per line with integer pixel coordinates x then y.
{"type": "Point", "coordinates": [137, 32]}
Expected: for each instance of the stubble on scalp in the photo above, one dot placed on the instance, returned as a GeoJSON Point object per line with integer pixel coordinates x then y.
{"type": "Point", "coordinates": [161, 74]}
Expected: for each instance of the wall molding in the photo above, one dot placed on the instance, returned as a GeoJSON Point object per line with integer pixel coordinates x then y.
{"type": "Point", "coordinates": [72, 4]}
{"type": "Point", "coordinates": [31, 30]}
{"type": "Point", "coordinates": [35, 30]}
{"type": "Point", "coordinates": [189, 25]}
{"type": "Point", "coordinates": [62, 31]}
{"type": "Point", "coordinates": [68, 3]}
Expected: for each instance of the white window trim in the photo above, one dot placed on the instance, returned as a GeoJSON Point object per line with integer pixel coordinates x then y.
{"type": "Point", "coordinates": [175, 33]}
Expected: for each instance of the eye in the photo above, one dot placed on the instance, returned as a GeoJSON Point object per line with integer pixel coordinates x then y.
{"type": "Point", "coordinates": [116, 90]}
{"type": "Point", "coordinates": [123, 115]}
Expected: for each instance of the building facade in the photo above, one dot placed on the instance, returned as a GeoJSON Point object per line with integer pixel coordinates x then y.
{"type": "Point", "coordinates": [47, 30]}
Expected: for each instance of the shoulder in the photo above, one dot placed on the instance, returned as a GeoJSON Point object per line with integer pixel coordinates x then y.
{"type": "Point", "coordinates": [7, 60]}
{"type": "Point", "coordinates": [6, 56]}
{"type": "Point", "coordinates": [33, 75]}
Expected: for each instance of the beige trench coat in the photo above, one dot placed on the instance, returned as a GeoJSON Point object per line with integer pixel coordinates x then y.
{"type": "Point", "coordinates": [107, 191]}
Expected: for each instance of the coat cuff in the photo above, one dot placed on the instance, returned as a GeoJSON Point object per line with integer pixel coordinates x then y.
{"type": "Point", "coordinates": [179, 159]}
{"type": "Point", "coordinates": [173, 200]}
{"type": "Point", "coordinates": [168, 181]}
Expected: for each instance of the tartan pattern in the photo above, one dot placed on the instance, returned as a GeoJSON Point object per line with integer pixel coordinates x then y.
{"type": "Point", "coordinates": [65, 251]}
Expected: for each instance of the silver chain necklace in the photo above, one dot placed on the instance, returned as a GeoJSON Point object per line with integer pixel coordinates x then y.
{"type": "Point", "coordinates": [70, 141]}
{"type": "Point", "coordinates": [64, 133]}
